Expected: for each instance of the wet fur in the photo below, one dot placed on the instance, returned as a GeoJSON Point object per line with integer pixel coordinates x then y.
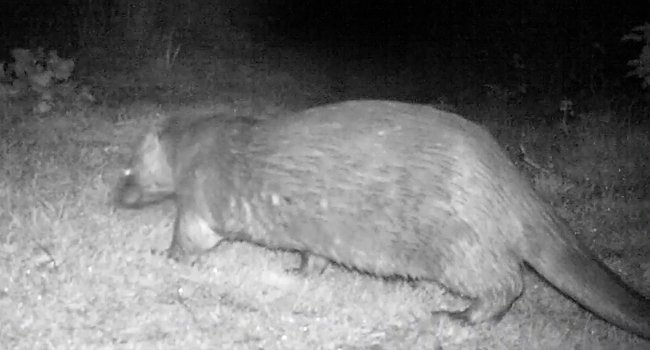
{"type": "Point", "coordinates": [388, 188]}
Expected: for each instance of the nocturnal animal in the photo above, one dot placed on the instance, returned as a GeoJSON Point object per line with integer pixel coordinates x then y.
{"type": "Point", "coordinates": [387, 188]}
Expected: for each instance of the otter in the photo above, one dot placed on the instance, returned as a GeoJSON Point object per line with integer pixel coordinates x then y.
{"type": "Point", "coordinates": [387, 188]}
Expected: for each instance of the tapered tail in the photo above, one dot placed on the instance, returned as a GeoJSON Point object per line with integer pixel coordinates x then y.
{"type": "Point", "coordinates": [559, 257]}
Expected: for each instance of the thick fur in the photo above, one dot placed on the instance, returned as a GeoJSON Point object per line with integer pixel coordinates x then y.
{"type": "Point", "coordinates": [388, 188]}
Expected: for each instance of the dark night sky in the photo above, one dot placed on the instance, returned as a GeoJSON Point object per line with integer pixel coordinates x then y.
{"type": "Point", "coordinates": [374, 22]}
{"type": "Point", "coordinates": [549, 33]}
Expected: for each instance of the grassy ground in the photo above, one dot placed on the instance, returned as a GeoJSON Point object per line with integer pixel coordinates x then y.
{"type": "Point", "coordinates": [76, 274]}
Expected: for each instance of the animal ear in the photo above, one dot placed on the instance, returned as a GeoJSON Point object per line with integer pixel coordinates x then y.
{"type": "Point", "coordinates": [151, 143]}
{"type": "Point", "coordinates": [159, 126]}
{"type": "Point", "coordinates": [153, 157]}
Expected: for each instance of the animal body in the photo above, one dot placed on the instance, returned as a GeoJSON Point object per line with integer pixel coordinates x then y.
{"type": "Point", "coordinates": [392, 189]}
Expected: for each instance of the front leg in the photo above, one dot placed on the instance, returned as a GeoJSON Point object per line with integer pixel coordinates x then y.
{"type": "Point", "coordinates": [192, 236]}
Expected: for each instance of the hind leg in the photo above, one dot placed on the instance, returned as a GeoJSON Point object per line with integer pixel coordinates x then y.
{"type": "Point", "coordinates": [491, 284]}
{"type": "Point", "coordinates": [481, 270]}
{"type": "Point", "coordinates": [490, 302]}
{"type": "Point", "coordinates": [310, 264]}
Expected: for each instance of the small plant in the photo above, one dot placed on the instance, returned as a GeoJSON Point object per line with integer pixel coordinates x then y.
{"type": "Point", "coordinates": [171, 51]}
{"type": "Point", "coordinates": [40, 74]}
{"type": "Point", "coordinates": [566, 108]}
{"type": "Point", "coordinates": [515, 93]}
{"type": "Point", "coordinates": [505, 94]}
{"type": "Point", "coordinates": [641, 65]}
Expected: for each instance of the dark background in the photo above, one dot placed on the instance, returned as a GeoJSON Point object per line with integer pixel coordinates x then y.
{"type": "Point", "coordinates": [415, 50]}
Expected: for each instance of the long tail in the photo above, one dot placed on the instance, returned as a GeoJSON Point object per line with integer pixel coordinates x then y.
{"type": "Point", "coordinates": [555, 253]}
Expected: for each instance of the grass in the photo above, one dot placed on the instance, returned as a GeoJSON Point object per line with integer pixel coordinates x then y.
{"type": "Point", "coordinates": [76, 274]}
